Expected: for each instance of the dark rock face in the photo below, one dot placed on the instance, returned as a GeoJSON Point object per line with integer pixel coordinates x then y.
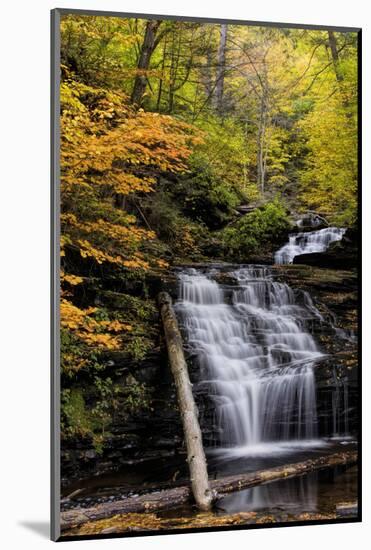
{"type": "Point", "coordinates": [311, 221]}
{"type": "Point", "coordinates": [153, 433]}
{"type": "Point", "coordinates": [138, 439]}
{"type": "Point", "coordinates": [334, 293]}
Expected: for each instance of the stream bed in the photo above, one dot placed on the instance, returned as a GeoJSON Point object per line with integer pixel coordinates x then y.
{"type": "Point", "coordinates": [260, 364]}
{"type": "Point", "coordinates": [315, 493]}
{"type": "Point", "coordinates": [318, 496]}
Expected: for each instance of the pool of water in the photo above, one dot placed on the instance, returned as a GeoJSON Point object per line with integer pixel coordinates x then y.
{"type": "Point", "coordinates": [315, 493]}
{"type": "Point", "coordinates": [318, 492]}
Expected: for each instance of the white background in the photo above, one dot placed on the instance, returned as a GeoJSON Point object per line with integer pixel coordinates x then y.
{"type": "Point", "coordinates": [24, 217]}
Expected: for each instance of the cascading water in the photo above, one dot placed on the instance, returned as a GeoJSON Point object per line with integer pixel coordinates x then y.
{"type": "Point", "coordinates": [307, 243]}
{"type": "Point", "coordinates": [255, 356]}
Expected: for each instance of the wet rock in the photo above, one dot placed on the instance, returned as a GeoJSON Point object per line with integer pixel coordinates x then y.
{"type": "Point", "coordinates": [141, 437]}
{"type": "Point", "coordinates": [90, 454]}
{"type": "Point", "coordinates": [334, 294]}
{"type": "Point", "coordinates": [311, 221]}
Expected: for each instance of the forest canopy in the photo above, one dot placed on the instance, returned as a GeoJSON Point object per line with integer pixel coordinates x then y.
{"type": "Point", "coordinates": [167, 128]}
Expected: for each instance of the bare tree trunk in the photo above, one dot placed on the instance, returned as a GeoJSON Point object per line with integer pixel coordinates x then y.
{"type": "Point", "coordinates": [335, 56]}
{"type": "Point", "coordinates": [207, 72]}
{"type": "Point", "coordinates": [219, 88]}
{"type": "Point", "coordinates": [338, 74]}
{"type": "Point", "coordinates": [175, 52]}
{"type": "Point", "coordinates": [146, 52]}
{"type": "Point", "coordinates": [120, 201]}
{"type": "Point", "coordinates": [261, 141]}
{"type": "Point", "coordinates": [207, 68]}
{"type": "Point", "coordinates": [189, 413]}
{"type": "Point", "coordinates": [164, 54]}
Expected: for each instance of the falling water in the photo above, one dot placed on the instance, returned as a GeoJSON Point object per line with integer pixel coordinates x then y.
{"type": "Point", "coordinates": [340, 407]}
{"type": "Point", "coordinates": [255, 356]}
{"type": "Point", "coordinates": [307, 243]}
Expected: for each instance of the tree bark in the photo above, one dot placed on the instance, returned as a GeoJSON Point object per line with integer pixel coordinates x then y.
{"type": "Point", "coordinates": [146, 52]}
{"type": "Point", "coordinates": [177, 496]}
{"type": "Point", "coordinates": [219, 87]}
{"type": "Point", "coordinates": [174, 63]}
{"type": "Point", "coordinates": [337, 69]}
{"type": "Point", "coordinates": [261, 141]}
{"type": "Point", "coordinates": [188, 409]}
{"type": "Point", "coordinates": [234, 483]}
{"type": "Point", "coordinates": [206, 72]}
{"type": "Point", "coordinates": [335, 56]}
{"type": "Point", "coordinates": [164, 55]}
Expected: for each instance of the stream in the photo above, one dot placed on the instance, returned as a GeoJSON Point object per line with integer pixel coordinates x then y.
{"type": "Point", "coordinates": [308, 243]}
{"type": "Point", "coordinates": [249, 338]}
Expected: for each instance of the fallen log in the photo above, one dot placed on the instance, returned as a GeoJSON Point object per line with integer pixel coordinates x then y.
{"type": "Point", "coordinates": [243, 481]}
{"type": "Point", "coordinates": [170, 498]}
{"type": "Point", "coordinates": [188, 410]}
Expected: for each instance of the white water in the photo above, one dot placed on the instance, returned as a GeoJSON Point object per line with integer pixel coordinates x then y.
{"type": "Point", "coordinates": [256, 359]}
{"type": "Point", "coordinates": [307, 243]}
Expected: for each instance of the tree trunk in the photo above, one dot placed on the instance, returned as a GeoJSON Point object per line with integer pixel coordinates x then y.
{"type": "Point", "coordinates": [164, 55]}
{"type": "Point", "coordinates": [337, 70]}
{"type": "Point", "coordinates": [207, 73]}
{"type": "Point", "coordinates": [174, 63]}
{"type": "Point", "coordinates": [261, 141]}
{"type": "Point", "coordinates": [188, 409]}
{"type": "Point", "coordinates": [335, 56]}
{"type": "Point", "coordinates": [177, 496]}
{"type": "Point", "coordinates": [243, 481]}
{"type": "Point", "coordinates": [219, 87]}
{"type": "Point", "coordinates": [146, 52]}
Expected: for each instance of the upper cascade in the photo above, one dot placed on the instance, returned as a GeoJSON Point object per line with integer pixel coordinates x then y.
{"type": "Point", "coordinates": [307, 243]}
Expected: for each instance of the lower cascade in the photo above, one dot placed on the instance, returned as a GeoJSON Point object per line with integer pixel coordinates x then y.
{"type": "Point", "coordinates": [307, 243]}
{"type": "Point", "coordinates": [255, 357]}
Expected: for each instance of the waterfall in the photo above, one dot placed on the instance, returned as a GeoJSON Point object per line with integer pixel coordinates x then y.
{"type": "Point", "coordinates": [306, 243]}
{"type": "Point", "coordinates": [255, 357]}
{"type": "Point", "coordinates": [340, 406]}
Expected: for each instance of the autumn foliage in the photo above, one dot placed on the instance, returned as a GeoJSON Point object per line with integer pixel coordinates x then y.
{"type": "Point", "coordinates": [108, 153]}
{"type": "Point", "coordinates": [167, 129]}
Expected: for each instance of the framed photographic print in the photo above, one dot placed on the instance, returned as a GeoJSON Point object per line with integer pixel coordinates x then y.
{"type": "Point", "coordinates": [205, 245]}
